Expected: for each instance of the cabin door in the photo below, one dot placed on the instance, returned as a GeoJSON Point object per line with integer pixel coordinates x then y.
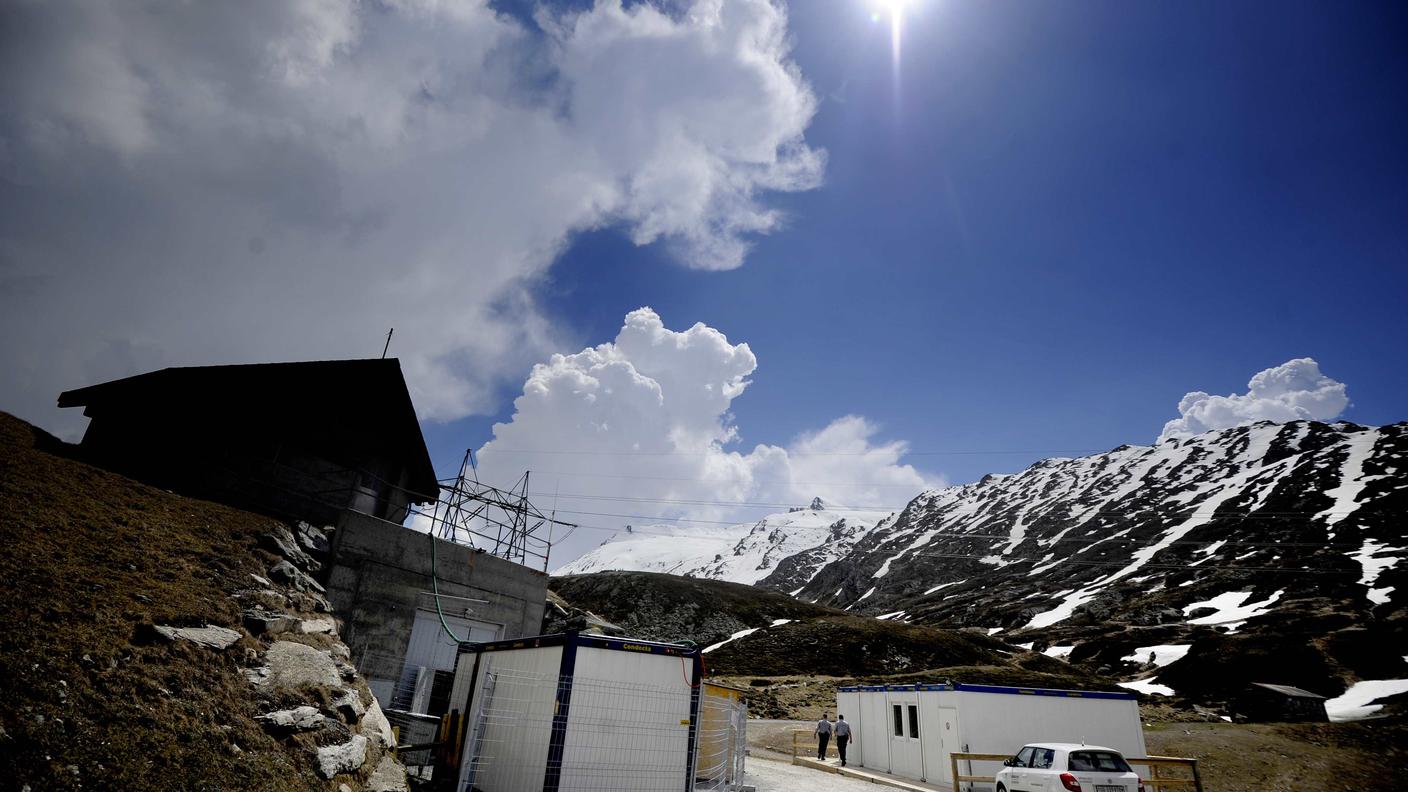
{"type": "Point", "coordinates": [906, 757]}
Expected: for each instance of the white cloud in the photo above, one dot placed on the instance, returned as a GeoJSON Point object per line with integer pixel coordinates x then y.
{"type": "Point", "coordinates": [1292, 391]}
{"type": "Point", "coordinates": [206, 182]}
{"type": "Point", "coordinates": [643, 425]}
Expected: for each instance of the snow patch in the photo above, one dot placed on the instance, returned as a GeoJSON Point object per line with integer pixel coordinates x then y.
{"type": "Point", "coordinates": [1372, 563]}
{"type": "Point", "coordinates": [731, 638]}
{"type": "Point", "coordinates": [894, 615]}
{"type": "Point", "coordinates": [1354, 703]}
{"type": "Point", "coordinates": [1352, 480]}
{"type": "Point", "coordinates": [1232, 608]}
{"type": "Point", "coordinates": [1163, 654]}
{"type": "Point", "coordinates": [1058, 652]}
{"type": "Point", "coordinates": [1148, 687]}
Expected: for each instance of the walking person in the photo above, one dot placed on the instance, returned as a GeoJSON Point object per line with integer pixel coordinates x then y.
{"type": "Point", "coordinates": [843, 736]}
{"type": "Point", "coordinates": [823, 736]}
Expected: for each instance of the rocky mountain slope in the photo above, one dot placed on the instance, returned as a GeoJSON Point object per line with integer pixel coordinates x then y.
{"type": "Point", "coordinates": [1260, 553]}
{"type": "Point", "coordinates": [156, 642]}
{"type": "Point", "coordinates": [746, 631]}
{"type": "Point", "coordinates": [1269, 552]}
{"type": "Point", "coordinates": [789, 547]}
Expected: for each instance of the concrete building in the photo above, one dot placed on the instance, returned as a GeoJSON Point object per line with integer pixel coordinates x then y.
{"type": "Point", "coordinates": [294, 440]}
{"type": "Point", "coordinates": [379, 581]}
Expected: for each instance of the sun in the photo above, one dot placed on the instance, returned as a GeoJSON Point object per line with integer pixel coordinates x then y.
{"type": "Point", "coordinates": [895, 9]}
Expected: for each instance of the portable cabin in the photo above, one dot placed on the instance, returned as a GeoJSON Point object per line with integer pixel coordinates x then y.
{"type": "Point", "coordinates": [910, 730]}
{"type": "Point", "coordinates": [575, 711]}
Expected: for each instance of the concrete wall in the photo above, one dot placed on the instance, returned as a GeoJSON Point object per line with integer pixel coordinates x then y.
{"type": "Point", "coordinates": [379, 574]}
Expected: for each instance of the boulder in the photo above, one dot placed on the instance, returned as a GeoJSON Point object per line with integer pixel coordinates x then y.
{"type": "Point", "coordinates": [348, 757]}
{"type": "Point", "coordinates": [376, 727]}
{"type": "Point", "coordinates": [279, 540]}
{"type": "Point", "coordinates": [209, 636]}
{"type": "Point", "coordinates": [321, 624]}
{"type": "Point", "coordinates": [349, 703]}
{"type": "Point", "coordinates": [260, 621]}
{"type": "Point", "coordinates": [296, 719]}
{"type": "Point", "coordinates": [292, 665]}
{"type": "Point", "coordinates": [314, 540]}
{"type": "Point", "coordinates": [293, 577]}
{"type": "Point", "coordinates": [389, 776]}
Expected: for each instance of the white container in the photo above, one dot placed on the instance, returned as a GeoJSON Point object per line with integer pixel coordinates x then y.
{"type": "Point", "coordinates": [910, 730]}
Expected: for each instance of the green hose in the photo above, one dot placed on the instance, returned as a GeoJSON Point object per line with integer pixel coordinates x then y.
{"type": "Point", "coordinates": [435, 587]}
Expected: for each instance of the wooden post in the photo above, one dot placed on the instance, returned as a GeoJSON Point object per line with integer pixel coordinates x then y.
{"type": "Point", "coordinates": [953, 770]}
{"type": "Point", "coordinates": [1197, 779]}
{"type": "Point", "coordinates": [1154, 777]}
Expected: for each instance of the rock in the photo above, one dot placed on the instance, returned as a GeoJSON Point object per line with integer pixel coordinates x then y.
{"type": "Point", "coordinates": [345, 758]}
{"type": "Point", "coordinates": [350, 704]}
{"type": "Point", "coordinates": [296, 719]}
{"type": "Point", "coordinates": [292, 576]}
{"type": "Point", "coordinates": [279, 540]}
{"type": "Point", "coordinates": [343, 788]}
{"type": "Point", "coordinates": [322, 624]}
{"type": "Point", "coordinates": [389, 776]}
{"type": "Point", "coordinates": [376, 727]}
{"type": "Point", "coordinates": [340, 651]}
{"type": "Point", "coordinates": [260, 621]}
{"type": "Point", "coordinates": [208, 636]}
{"type": "Point", "coordinates": [292, 664]}
{"type": "Point", "coordinates": [314, 540]}
{"type": "Point", "coordinates": [261, 580]}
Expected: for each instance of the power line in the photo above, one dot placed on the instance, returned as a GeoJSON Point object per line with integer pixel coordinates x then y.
{"type": "Point", "coordinates": [711, 452]}
{"type": "Point", "coordinates": [1256, 514]}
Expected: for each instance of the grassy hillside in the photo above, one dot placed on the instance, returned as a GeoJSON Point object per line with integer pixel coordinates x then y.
{"type": "Point", "coordinates": [663, 607]}
{"type": "Point", "coordinates": [91, 560]}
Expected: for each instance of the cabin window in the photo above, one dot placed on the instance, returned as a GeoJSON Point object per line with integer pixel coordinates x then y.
{"type": "Point", "coordinates": [899, 719]}
{"type": "Point", "coordinates": [914, 721]}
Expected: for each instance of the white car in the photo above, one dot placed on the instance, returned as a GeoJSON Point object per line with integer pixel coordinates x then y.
{"type": "Point", "coordinates": [1062, 767]}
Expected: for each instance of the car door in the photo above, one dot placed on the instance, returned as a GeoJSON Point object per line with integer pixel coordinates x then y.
{"type": "Point", "coordinates": [1019, 770]}
{"type": "Point", "coordinates": [1040, 775]}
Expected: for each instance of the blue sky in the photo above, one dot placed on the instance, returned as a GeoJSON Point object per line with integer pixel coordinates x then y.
{"type": "Point", "coordinates": [1058, 220]}
{"type": "Point", "coordinates": [1031, 236]}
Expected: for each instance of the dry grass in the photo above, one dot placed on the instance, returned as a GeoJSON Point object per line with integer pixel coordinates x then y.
{"type": "Point", "coordinates": [89, 559]}
{"type": "Point", "coordinates": [1344, 757]}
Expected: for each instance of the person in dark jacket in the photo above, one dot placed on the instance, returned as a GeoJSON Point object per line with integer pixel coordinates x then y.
{"type": "Point", "coordinates": [843, 736]}
{"type": "Point", "coordinates": [823, 736]}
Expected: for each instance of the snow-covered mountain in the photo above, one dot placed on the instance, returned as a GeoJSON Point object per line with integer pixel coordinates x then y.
{"type": "Point", "coordinates": [1270, 552]}
{"type": "Point", "coordinates": [744, 553]}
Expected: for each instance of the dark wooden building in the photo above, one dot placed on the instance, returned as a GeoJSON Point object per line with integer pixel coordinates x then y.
{"type": "Point", "coordinates": [295, 440]}
{"type": "Point", "coordinates": [1267, 703]}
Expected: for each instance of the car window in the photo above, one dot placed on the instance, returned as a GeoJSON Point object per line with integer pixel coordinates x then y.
{"type": "Point", "coordinates": [1042, 758]}
{"type": "Point", "coordinates": [1024, 758]}
{"type": "Point", "coordinates": [1101, 761]}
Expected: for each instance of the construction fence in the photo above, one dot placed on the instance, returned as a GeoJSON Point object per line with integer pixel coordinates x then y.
{"type": "Point", "coordinates": [614, 735]}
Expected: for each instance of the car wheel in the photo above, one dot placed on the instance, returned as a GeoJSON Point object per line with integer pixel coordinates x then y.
{"type": "Point", "coordinates": [1001, 788]}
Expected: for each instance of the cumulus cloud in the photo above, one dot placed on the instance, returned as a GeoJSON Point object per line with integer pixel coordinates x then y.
{"type": "Point", "coordinates": [188, 183]}
{"type": "Point", "coordinates": [1292, 391]}
{"type": "Point", "coordinates": [643, 425]}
